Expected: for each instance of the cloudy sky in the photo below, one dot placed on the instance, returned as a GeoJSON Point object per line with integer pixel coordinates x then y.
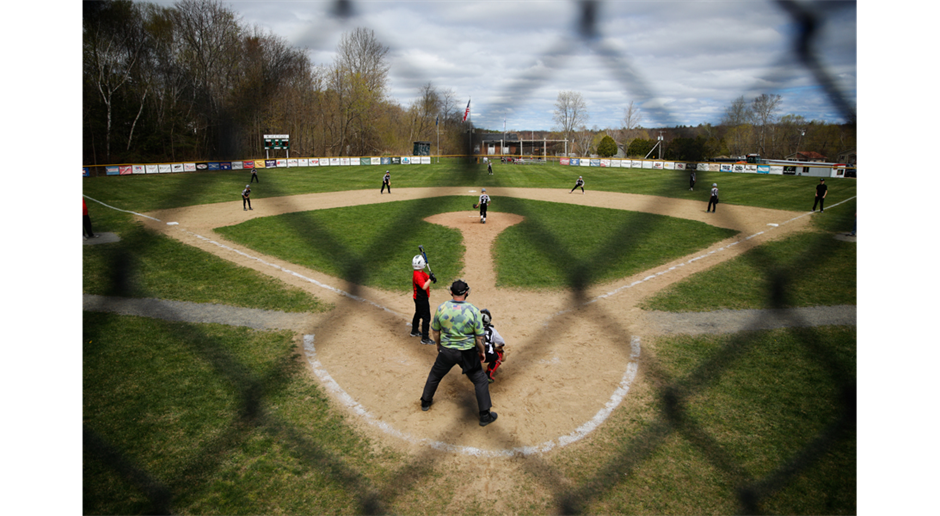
{"type": "Point", "coordinates": [681, 62]}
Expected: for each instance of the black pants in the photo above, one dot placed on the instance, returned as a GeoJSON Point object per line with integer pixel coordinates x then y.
{"type": "Point", "coordinates": [86, 221]}
{"type": "Point", "coordinates": [691, 183]}
{"type": "Point", "coordinates": [576, 187]}
{"type": "Point", "coordinates": [244, 200]}
{"type": "Point", "coordinates": [384, 186]}
{"type": "Point", "coordinates": [712, 204]}
{"type": "Point", "coordinates": [422, 313]}
{"type": "Point", "coordinates": [469, 362]}
{"type": "Point", "coordinates": [820, 201]}
{"type": "Point", "coordinates": [254, 178]}
{"type": "Point", "coordinates": [483, 210]}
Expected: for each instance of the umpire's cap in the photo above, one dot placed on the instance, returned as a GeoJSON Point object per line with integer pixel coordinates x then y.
{"type": "Point", "coordinates": [460, 288]}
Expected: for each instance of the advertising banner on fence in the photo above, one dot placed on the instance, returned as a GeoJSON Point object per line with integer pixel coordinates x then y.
{"type": "Point", "coordinates": [334, 162]}
{"type": "Point", "coordinates": [165, 169]}
{"type": "Point", "coordinates": [763, 169]}
{"type": "Point", "coordinates": [425, 160]}
{"type": "Point", "coordinates": [564, 161]}
{"type": "Point", "coordinates": [292, 162]}
{"type": "Point", "coordinates": [365, 161]}
{"type": "Point", "coordinates": [575, 162]}
{"type": "Point", "coordinates": [679, 166]}
{"type": "Point", "coordinates": [376, 161]}
{"type": "Point", "coordinates": [639, 164]}
{"type": "Point", "coordinates": [153, 169]}
{"type": "Point", "coordinates": [313, 162]}
{"type": "Point", "coordinates": [776, 170]}
{"type": "Point", "coordinates": [238, 165]}
{"type": "Point", "coordinates": [202, 167]}
{"type": "Point", "coordinates": [345, 162]}
{"type": "Point", "coordinates": [214, 165]}
{"type": "Point", "coordinates": [112, 171]}
{"type": "Point", "coordinates": [396, 161]}
{"type": "Point", "coordinates": [126, 170]}
{"type": "Point", "coordinates": [595, 162]}
{"type": "Point", "coordinates": [139, 169]}
{"type": "Point", "coordinates": [702, 167]}
{"type": "Point", "coordinates": [386, 161]}
{"type": "Point", "coordinates": [176, 167]}
{"type": "Point", "coordinates": [737, 168]}
{"type": "Point", "coordinates": [84, 171]}
{"type": "Point", "coordinates": [657, 165]}
{"type": "Point", "coordinates": [225, 165]}
{"type": "Point", "coordinates": [605, 163]}
{"type": "Point", "coordinates": [405, 160]}
{"type": "Point", "coordinates": [280, 163]}
{"type": "Point", "coordinates": [585, 162]}
{"type": "Point", "coordinates": [725, 167]}
{"type": "Point", "coordinates": [270, 163]}
{"type": "Point", "coordinates": [615, 163]}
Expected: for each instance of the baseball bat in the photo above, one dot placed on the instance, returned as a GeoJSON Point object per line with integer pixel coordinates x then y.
{"type": "Point", "coordinates": [425, 255]}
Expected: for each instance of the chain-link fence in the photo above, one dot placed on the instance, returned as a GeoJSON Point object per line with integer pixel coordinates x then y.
{"type": "Point", "coordinates": [674, 393]}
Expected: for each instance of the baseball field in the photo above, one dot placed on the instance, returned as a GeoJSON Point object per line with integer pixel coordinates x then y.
{"type": "Point", "coordinates": [660, 359]}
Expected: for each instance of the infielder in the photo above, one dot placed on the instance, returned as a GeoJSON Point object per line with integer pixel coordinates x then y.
{"type": "Point", "coordinates": [245, 197]}
{"type": "Point", "coordinates": [457, 329]}
{"type": "Point", "coordinates": [386, 183]}
{"type": "Point", "coordinates": [579, 184]}
{"type": "Point", "coordinates": [484, 201]}
{"type": "Point", "coordinates": [493, 344]}
{"type": "Point", "coordinates": [713, 200]}
{"type": "Point", "coordinates": [692, 180]}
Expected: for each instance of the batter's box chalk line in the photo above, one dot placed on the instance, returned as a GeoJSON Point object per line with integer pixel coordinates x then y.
{"type": "Point", "coordinates": [579, 433]}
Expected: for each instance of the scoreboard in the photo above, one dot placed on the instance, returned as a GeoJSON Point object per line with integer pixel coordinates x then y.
{"type": "Point", "coordinates": [277, 141]}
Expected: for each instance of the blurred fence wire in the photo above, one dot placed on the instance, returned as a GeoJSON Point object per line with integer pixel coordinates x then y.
{"type": "Point", "coordinates": [676, 392]}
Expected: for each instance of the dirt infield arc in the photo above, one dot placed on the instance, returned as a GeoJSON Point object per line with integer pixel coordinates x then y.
{"type": "Point", "coordinates": [567, 356]}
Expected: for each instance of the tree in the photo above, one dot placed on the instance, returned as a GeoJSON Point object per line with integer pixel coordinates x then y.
{"type": "Point", "coordinates": [763, 110]}
{"type": "Point", "coordinates": [112, 42]}
{"type": "Point", "coordinates": [639, 148]}
{"type": "Point", "coordinates": [607, 147]}
{"type": "Point", "coordinates": [631, 120]}
{"type": "Point", "coordinates": [570, 112]}
{"type": "Point", "coordinates": [736, 124]}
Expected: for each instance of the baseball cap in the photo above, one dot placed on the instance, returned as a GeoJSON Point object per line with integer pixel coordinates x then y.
{"type": "Point", "coordinates": [248, 186]}
{"type": "Point", "coordinates": [484, 189]}
{"type": "Point", "coordinates": [714, 184]}
{"type": "Point", "coordinates": [459, 288]}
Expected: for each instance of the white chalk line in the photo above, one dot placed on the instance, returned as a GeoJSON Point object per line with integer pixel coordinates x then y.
{"type": "Point", "coordinates": [119, 209]}
{"type": "Point", "coordinates": [579, 433]}
{"type": "Point", "coordinates": [292, 273]}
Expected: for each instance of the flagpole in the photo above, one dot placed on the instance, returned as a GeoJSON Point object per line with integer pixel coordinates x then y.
{"type": "Point", "coordinates": [437, 123]}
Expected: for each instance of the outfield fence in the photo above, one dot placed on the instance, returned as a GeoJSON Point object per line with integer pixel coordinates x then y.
{"type": "Point", "coordinates": [674, 394]}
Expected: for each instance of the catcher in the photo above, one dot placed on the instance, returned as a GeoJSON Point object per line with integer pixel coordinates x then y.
{"type": "Point", "coordinates": [493, 343]}
{"type": "Point", "coordinates": [484, 201]}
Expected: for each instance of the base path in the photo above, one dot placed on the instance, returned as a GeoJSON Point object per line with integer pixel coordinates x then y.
{"type": "Point", "coordinates": [568, 356]}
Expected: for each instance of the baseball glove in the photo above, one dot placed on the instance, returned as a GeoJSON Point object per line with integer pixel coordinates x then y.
{"type": "Point", "coordinates": [476, 205]}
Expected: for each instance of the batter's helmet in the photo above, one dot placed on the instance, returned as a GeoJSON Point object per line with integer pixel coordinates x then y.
{"type": "Point", "coordinates": [418, 262]}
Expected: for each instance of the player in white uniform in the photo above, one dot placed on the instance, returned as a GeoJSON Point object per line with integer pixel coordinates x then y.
{"type": "Point", "coordinates": [484, 201]}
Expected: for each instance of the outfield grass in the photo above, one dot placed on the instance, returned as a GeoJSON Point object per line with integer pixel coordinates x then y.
{"type": "Point", "coordinates": [556, 246]}
{"type": "Point", "coordinates": [162, 191]}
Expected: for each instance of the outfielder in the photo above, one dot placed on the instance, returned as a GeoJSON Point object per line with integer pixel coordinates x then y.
{"type": "Point", "coordinates": [821, 191]}
{"type": "Point", "coordinates": [493, 344]}
{"type": "Point", "coordinates": [579, 184]}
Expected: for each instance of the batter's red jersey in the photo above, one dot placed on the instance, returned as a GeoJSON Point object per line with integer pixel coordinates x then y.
{"type": "Point", "coordinates": [418, 279]}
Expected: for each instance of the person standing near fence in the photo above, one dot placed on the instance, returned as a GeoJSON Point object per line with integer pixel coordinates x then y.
{"type": "Point", "coordinates": [692, 180]}
{"type": "Point", "coordinates": [254, 176]}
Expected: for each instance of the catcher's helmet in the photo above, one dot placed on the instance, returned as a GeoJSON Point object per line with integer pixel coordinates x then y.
{"type": "Point", "coordinates": [418, 262]}
{"type": "Point", "coordinates": [487, 317]}
{"type": "Point", "coordinates": [460, 288]}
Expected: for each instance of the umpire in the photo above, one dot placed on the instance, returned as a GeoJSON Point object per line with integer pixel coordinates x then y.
{"type": "Point", "coordinates": [457, 330]}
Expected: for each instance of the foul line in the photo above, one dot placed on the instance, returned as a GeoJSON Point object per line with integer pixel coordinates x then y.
{"type": "Point", "coordinates": [579, 433]}
{"type": "Point", "coordinates": [295, 274]}
{"type": "Point", "coordinates": [119, 209]}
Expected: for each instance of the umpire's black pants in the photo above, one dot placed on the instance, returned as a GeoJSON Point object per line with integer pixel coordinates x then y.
{"type": "Point", "coordinates": [820, 201]}
{"type": "Point", "coordinates": [469, 362]}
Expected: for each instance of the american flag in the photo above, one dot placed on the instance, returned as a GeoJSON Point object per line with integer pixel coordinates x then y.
{"type": "Point", "coordinates": [467, 112]}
